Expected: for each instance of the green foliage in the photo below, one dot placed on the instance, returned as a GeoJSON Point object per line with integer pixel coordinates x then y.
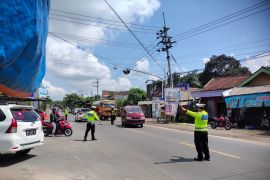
{"type": "Point", "coordinates": [191, 78]}
{"type": "Point", "coordinates": [222, 66]}
{"type": "Point", "coordinates": [135, 95]}
{"type": "Point", "coordinates": [73, 100]}
{"type": "Point", "coordinates": [121, 103]}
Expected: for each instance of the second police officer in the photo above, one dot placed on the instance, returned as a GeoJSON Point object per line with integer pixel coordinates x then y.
{"type": "Point", "coordinates": [91, 117]}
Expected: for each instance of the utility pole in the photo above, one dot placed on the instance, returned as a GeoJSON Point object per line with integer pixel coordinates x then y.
{"type": "Point", "coordinates": [96, 84]}
{"type": "Point", "coordinates": [167, 44]}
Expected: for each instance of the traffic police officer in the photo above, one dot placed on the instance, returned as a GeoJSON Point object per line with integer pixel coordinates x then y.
{"type": "Point", "coordinates": [201, 131]}
{"type": "Point", "coordinates": [66, 113]}
{"type": "Point", "coordinates": [113, 116]}
{"type": "Point", "coordinates": [91, 117]}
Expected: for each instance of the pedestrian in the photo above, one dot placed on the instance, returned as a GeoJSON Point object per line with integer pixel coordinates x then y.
{"type": "Point", "coordinates": [113, 116]}
{"type": "Point", "coordinates": [91, 117]}
{"type": "Point", "coordinates": [200, 132]}
{"type": "Point", "coordinates": [66, 113]}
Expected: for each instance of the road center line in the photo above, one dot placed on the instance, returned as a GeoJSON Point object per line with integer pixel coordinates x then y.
{"type": "Point", "coordinates": [218, 152]}
{"type": "Point", "coordinates": [135, 131]}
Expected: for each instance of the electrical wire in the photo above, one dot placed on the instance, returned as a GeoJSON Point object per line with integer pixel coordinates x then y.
{"type": "Point", "coordinates": [223, 19]}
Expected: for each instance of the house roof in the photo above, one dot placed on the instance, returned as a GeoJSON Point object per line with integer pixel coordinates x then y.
{"type": "Point", "coordinates": [246, 90]}
{"type": "Point", "coordinates": [220, 83]}
{"type": "Point", "coordinates": [265, 70]}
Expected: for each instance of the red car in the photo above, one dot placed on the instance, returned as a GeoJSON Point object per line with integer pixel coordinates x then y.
{"type": "Point", "coordinates": [132, 115]}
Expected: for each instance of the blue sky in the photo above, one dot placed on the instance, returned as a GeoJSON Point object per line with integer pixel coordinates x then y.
{"type": "Point", "coordinates": [240, 39]}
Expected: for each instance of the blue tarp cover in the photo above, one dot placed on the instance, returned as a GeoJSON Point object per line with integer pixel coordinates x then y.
{"type": "Point", "coordinates": [23, 34]}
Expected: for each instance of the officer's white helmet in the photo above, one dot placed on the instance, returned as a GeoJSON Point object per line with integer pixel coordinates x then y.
{"type": "Point", "coordinates": [93, 107]}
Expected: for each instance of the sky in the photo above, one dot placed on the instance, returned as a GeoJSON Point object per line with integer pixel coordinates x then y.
{"type": "Point", "coordinates": [87, 41]}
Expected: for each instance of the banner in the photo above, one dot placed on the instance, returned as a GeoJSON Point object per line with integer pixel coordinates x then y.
{"type": "Point", "coordinates": [172, 98]}
{"type": "Point", "coordinates": [249, 100]}
{"type": "Point", "coordinates": [156, 107]}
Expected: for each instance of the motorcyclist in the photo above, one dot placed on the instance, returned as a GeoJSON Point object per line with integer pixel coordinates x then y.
{"type": "Point", "coordinates": [54, 117]}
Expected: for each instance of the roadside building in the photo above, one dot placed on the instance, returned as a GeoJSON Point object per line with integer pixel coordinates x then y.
{"type": "Point", "coordinates": [250, 101]}
{"type": "Point", "coordinates": [212, 96]}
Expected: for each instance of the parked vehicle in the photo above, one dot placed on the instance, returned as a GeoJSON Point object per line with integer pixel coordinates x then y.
{"type": "Point", "coordinates": [20, 129]}
{"type": "Point", "coordinates": [132, 115]}
{"type": "Point", "coordinates": [75, 111]}
{"type": "Point", "coordinates": [63, 128]}
{"type": "Point", "coordinates": [42, 114]}
{"type": "Point", "coordinates": [221, 122]}
{"type": "Point", "coordinates": [104, 108]}
{"type": "Point", "coordinates": [80, 115]}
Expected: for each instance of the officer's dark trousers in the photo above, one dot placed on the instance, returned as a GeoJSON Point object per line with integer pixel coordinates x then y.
{"type": "Point", "coordinates": [201, 143]}
{"type": "Point", "coordinates": [113, 119]}
{"type": "Point", "coordinates": [89, 127]}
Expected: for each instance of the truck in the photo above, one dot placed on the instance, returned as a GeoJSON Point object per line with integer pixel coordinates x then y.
{"type": "Point", "coordinates": [104, 108]}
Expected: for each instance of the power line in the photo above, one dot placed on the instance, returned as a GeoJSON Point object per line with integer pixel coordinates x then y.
{"type": "Point", "coordinates": [191, 62]}
{"type": "Point", "coordinates": [70, 43]}
{"type": "Point", "coordinates": [195, 54]}
{"type": "Point", "coordinates": [103, 19]}
{"type": "Point", "coordinates": [103, 23]}
{"type": "Point", "coordinates": [224, 24]}
{"type": "Point", "coordinates": [99, 41]}
{"type": "Point", "coordinates": [132, 32]}
{"type": "Point", "coordinates": [220, 20]}
{"type": "Point", "coordinates": [88, 24]}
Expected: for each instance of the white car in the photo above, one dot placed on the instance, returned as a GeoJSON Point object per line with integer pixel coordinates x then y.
{"type": "Point", "coordinates": [20, 129]}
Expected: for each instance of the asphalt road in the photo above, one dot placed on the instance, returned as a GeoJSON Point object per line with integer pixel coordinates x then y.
{"type": "Point", "coordinates": [137, 153]}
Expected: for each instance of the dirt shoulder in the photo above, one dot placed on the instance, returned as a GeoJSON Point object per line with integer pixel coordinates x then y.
{"type": "Point", "coordinates": [253, 135]}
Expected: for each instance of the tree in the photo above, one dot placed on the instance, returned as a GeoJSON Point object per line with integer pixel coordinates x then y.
{"type": "Point", "coordinates": [73, 100]}
{"type": "Point", "coordinates": [135, 95]}
{"type": "Point", "coordinates": [222, 66]}
{"type": "Point", "coordinates": [191, 78]}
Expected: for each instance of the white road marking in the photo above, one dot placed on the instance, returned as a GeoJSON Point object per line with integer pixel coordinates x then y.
{"type": "Point", "coordinates": [227, 138]}
{"type": "Point", "coordinates": [218, 152]}
{"type": "Point", "coordinates": [135, 131]}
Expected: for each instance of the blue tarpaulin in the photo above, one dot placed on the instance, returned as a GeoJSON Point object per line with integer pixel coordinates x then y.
{"type": "Point", "coordinates": [23, 34]}
{"type": "Point", "coordinates": [250, 100]}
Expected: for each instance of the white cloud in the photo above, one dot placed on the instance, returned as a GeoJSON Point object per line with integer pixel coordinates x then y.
{"type": "Point", "coordinates": [77, 69]}
{"type": "Point", "coordinates": [54, 92]}
{"type": "Point", "coordinates": [142, 65]}
{"type": "Point", "coordinates": [257, 63]}
{"type": "Point", "coordinates": [205, 60]}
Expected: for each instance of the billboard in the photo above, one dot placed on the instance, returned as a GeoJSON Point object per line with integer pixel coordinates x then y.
{"type": "Point", "coordinates": [172, 98]}
{"type": "Point", "coordinates": [154, 90]}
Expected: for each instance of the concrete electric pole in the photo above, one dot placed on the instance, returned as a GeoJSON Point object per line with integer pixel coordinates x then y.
{"type": "Point", "coordinates": [96, 84]}
{"type": "Point", "coordinates": [167, 44]}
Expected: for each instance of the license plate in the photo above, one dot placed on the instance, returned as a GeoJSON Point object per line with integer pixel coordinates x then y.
{"type": "Point", "coordinates": [30, 132]}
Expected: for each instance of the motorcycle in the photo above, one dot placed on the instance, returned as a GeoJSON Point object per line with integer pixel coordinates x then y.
{"type": "Point", "coordinates": [221, 122]}
{"type": "Point", "coordinates": [64, 127]}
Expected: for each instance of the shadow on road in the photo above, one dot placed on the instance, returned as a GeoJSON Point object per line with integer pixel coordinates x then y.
{"type": "Point", "coordinates": [176, 159]}
{"type": "Point", "coordinates": [128, 126]}
{"type": "Point", "coordinates": [11, 159]}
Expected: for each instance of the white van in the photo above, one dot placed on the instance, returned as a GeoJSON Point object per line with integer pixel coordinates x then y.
{"type": "Point", "coordinates": [20, 129]}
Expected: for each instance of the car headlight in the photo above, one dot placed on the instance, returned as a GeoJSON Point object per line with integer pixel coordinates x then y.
{"type": "Point", "coordinates": [128, 118]}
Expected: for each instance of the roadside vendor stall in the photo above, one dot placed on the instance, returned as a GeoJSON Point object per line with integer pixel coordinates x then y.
{"type": "Point", "coordinates": [253, 103]}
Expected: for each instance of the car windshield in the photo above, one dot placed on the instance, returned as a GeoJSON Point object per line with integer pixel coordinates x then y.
{"type": "Point", "coordinates": [85, 110]}
{"type": "Point", "coordinates": [25, 115]}
{"type": "Point", "coordinates": [135, 110]}
{"type": "Point", "coordinates": [107, 105]}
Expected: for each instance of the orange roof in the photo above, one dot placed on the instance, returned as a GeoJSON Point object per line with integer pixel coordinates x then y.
{"type": "Point", "coordinates": [218, 83]}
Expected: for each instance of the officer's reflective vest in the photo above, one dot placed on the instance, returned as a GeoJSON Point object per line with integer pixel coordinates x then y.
{"type": "Point", "coordinates": [91, 117]}
{"type": "Point", "coordinates": [201, 119]}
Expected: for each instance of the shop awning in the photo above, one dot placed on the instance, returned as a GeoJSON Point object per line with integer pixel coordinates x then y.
{"type": "Point", "coordinates": [243, 97]}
